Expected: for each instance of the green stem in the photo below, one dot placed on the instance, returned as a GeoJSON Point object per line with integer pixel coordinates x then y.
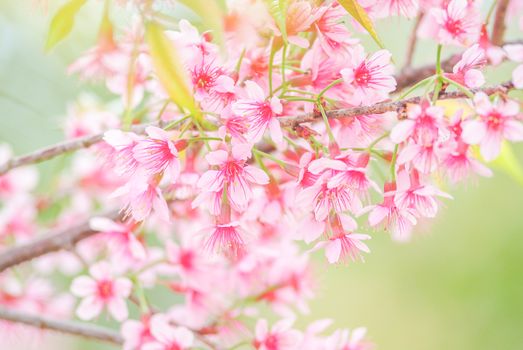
{"type": "Point", "coordinates": [283, 54]}
{"type": "Point", "coordinates": [257, 152]}
{"type": "Point", "coordinates": [271, 66]}
{"type": "Point", "coordinates": [326, 121]}
{"type": "Point", "coordinates": [415, 87]}
{"type": "Point", "coordinates": [328, 87]}
{"type": "Point", "coordinates": [463, 89]}
{"type": "Point", "coordinates": [438, 61]}
{"type": "Point", "coordinates": [393, 163]}
{"type": "Point", "coordinates": [375, 142]}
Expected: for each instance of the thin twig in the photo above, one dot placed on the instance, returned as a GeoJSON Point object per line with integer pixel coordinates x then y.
{"type": "Point", "coordinates": [383, 107]}
{"type": "Point", "coordinates": [64, 239]}
{"type": "Point", "coordinates": [407, 78]}
{"type": "Point", "coordinates": [69, 327]}
{"type": "Point", "coordinates": [411, 48]}
{"type": "Point", "coordinates": [498, 30]}
{"type": "Point", "coordinates": [53, 151]}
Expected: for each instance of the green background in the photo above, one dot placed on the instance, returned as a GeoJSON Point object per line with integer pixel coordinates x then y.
{"type": "Point", "coordinates": [457, 286]}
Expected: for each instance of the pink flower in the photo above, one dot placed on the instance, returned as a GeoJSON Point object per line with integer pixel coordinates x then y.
{"type": "Point", "coordinates": [515, 53]}
{"type": "Point", "coordinates": [121, 237]}
{"type": "Point", "coordinates": [371, 76]}
{"type": "Point", "coordinates": [334, 36]}
{"type": "Point", "coordinates": [496, 122]}
{"type": "Point", "coordinates": [232, 175]}
{"type": "Point", "coordinates": [386, 8]}
{"type": "Point", "coordinates": [260, 113]}
{"type": "Point", "coordinates": [141, 195]}
{"type": "Point", "coordinates": [158, 153]}
{"type": "Point", "coordinates": [168, 337]}
{"type": "Point", "coordinates": [411, 193]}
{"type": "Point", "coordinates": [123, 144]}
{"type": "Point", "coordinates": [425, 133]}
{"type": "Point", "coordinates": [136, 333]}
{"type": "Point", "coordinates": [466, 71]}
{"type": "Point", "coordinates": [399, 220]}
{"type": "Point", "coordinates": [457, 23]}
{"type": "Point", "coordinates": [280, 337]}
{"type": "Point", "coordinates": [101, 290]}
{"type": "Point", "coordinates": [226, 239]}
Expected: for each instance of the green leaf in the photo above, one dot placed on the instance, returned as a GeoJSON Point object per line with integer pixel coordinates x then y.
{"type": "Point", "coordinates": [211, 15]}
{"type": "Point", "coordinates": [62, 22]}
{"type": "Point", "coordinates": [169, 68]}
{"type": "Point", "coordinates": [509, 163]}
{"type": "Point", "coordinates": [360, 15]}
{"type": "Point", "coordinates": [278, 11]}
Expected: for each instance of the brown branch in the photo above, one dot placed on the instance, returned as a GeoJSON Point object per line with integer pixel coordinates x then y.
{"type": "Point", "coordinates": [69, 327]}
{"type": "Point", "coordinates": [411, 48]}
{"type": "Point", "coordinates": [52, 242]}
{"type": "Point", "coordinates": [53, 151]}
{"type": "Point", "coordinates": [383, 107]}
{"type": "Point", "coordinates": [498, 30]}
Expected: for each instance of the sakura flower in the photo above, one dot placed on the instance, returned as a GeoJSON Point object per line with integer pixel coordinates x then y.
{"type": "Point", "coordinates": [232, 175]}
{"type": "Point", "coordinates": [456, 23]}
{"type": "Point", "coordinates": [280, 337]}
{"type": "Point", "coordinates": [158, 153]}
{"type": "Point", "coordinates": [345, 340]}
{"type": "Point", "coordinates": [141, 195]}
{"type": "Point", "coordinates": [334, 36]}
{"type": "Point", "coordinates": [123, 155]}
{"type": "Point", "coordinates": [260, 113]}
{"type": "Point", "coordinates": [371, 76]}
{"type": "Point", "coordinates": [121, 236]}
{"type": "Point", "coordinates": [343, 243]}
{"type": "Point", "coordinates": [407, 8]}
{"type": "Point", "coordinates": [136, 333]}
{"type": "Point", "coordinates": [226, 238]}
{"type": "Point", "coordinates": [412, 193]}
{"type": "Point", "coordinates": [515, 53]}
{"type": "Point", "coordinates": [426, 133]}
{"type": "Point", "coordinates": [466, 71]}
{"type": "Point", "coordinates": [399, 220]}
{"type": "Point", "coordinates": [100, 290]}
{"type": "Point", "coordinates": [168, 337]}
{"type": "Point", "coordinates": [496, 121]}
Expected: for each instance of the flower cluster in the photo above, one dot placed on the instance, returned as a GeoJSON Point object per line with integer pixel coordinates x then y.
{"type": "Point", "coordinates": [287, 138]}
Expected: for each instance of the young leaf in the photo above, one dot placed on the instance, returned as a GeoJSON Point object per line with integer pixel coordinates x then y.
{"type": "Point", "coordinates": [360, 15]}
{"type": "Point", "coordinates": [211, 14]}
{"type": "Point", "coordinates": [62, 22]}
{"type": "Point", "coordinates": [169, 68]}
{"type": "Point", "coordinates": [508, 163]}
{"type": "Point", "coordinates": [278, 11]}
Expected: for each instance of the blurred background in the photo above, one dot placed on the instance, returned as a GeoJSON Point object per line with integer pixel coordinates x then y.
{"type": "Point", "coordinates": [458, 285]}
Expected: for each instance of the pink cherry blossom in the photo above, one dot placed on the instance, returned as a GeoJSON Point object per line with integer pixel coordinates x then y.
{"type": "Point", "coordinates": [497, 121]}
{"type": "Point", "coordinates": [280, 337]}
{"type": "Point", "coordinates": [233, 175]}
{"type": "Point", "coordinates": [260, 113]}
{"type": "Point", "coordinates": [466, 71]}
{"type": "Point", "coordinates": [168, 337]}
{"type": "Point", "coordinates": [158, 153]}
{"type": "Point", "coordinates": [100, 290]}
{"type": "Point", "coordinates": [370, 76]}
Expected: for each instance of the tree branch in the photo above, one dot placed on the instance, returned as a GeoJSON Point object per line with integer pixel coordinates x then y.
{"type": "Point", "coordinates": [383, 107]}
{"type": "Point", "coordinates": [411, 48]}
{"type": "Point", "coordinates": [498, 30]}
{"type": "Point", "coordinates": [61, 148]}
{"type": "Point", "coordinates": [69, 327]}
{"type": "Point", "coordinates": [52, 242]}
{"type": "Point", "coordinates": [408, 77]}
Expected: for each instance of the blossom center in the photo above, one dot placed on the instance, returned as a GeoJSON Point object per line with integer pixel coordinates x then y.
{"type": "Point", "coordinates": [105, 289]}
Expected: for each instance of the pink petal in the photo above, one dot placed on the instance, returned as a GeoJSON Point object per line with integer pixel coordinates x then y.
{"type": "Point", "coordinates": [122, 287]}
{"type": "Point", "coordinates": [256, 175]}
{"type": "Point", "coordinates": [89, 308]}
{"type": "Point", "coordinates": [118, 309]}
{"type": "Point", "coordinates": [217, 157]}
{"type": "Point", "coordinates": [83, 286]}
{"type": "Point", "coordinates": [473, 132]}
{"type": "Point", "coordinates": [513, 130]}
{"type": "Point", "coordinates": [275, 131]}
{"type": "Point", "coordinates": [402, 131]}
{"type": "Point", "coordinates": [333, 251]}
